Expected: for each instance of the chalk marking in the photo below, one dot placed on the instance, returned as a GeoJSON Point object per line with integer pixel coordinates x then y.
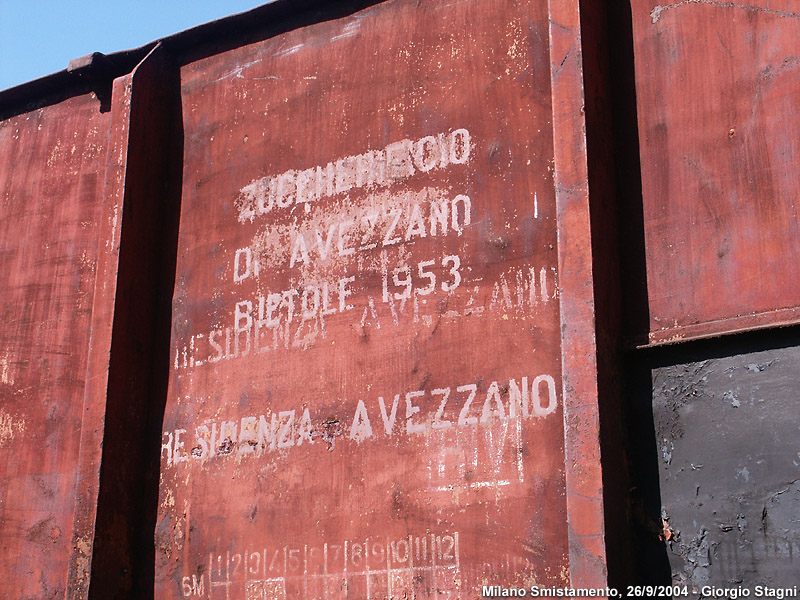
{"type": "Point", "coordinates": [474, 485]}
{"type": "Point", "coordinates": [397, 161]}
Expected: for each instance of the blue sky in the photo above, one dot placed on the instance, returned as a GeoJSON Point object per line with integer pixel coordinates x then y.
{"type": "Point", "coordinates": [40, 37]}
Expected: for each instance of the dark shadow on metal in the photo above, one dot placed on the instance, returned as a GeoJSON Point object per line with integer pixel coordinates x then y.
{"type": "Point", "coordinates": [649, 561]}
{"type": "Point", "coordinates": [627, 165]}
{"type": "Point", "coordinates": [745, 342]}
{"type": "Point", "coordinates": [620, 284]}
{"type": "Point", "coordinates": [123, 564]}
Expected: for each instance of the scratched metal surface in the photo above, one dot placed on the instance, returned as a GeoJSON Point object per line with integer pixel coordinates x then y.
{"type": "Point", "coordinates": [51, 189]}
{"type": "Point", "coordinates": [366, 395]}
{"type": "Point", "coordinates": [727, 459]}
{"type": "Point", "coordinates": [717, 88]}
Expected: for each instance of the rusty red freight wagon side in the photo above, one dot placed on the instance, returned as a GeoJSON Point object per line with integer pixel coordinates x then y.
{"type": "Point", "coordinates": [379, 293]}
{"type": "Point", "coordinates": [53, 214]}
{"type": "Point", "coordinates": [312, 302]}
{"type": "Point", "coordinates": [78, 332]}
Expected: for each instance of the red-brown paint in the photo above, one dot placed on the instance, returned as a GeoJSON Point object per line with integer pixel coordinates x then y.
{"type": "Point", "coordinates": [500, 499]}
{"type": "Point", "coordinates": [56, 225]}
{"type": "Point", "coordinates": [717, 89]}
{"type": "Point", "coordinates": [399, 486]}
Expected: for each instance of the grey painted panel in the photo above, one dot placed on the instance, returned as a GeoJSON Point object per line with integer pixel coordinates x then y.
{"type": "Point", "coordinates": [728, 435]}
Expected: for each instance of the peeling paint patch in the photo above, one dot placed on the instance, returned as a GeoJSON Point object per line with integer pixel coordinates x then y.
{"type": "Point", "coordinates": [83, 558]}
{"type": "Point", "coordinates": [655, 14]}
{"type": "Point", "coordinates": [6, 374]}
{"type": "Point", "coordinates": [169, 499]}
{"type": "Point", "coordinates": [9, 427]}
{"type": "Point", "coordinates": [729, 468]}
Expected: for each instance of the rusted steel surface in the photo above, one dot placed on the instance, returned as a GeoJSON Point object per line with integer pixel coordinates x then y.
{"type": "Point", "coordinates": [584, 484]}
{"type": "Point", "coordinates": [142, 187]}
{"type": "Point", "coordinates": [367, 397]}
{"type": "Point", "coordinates": [717, 87]}
{"type": "Point", "coordinates": [52, 177]}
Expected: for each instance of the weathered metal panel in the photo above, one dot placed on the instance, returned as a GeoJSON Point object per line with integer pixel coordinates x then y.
{"type": "Point", "coordinates": [143, 183]}
{"type": "Point", "coordinates": [89, 189]}
{"type": "Point", "coordinates": [727, 434]}
{"type": "Point", "coordinates": [584, 482]}
{"type": "Point", "coordinates": [717, 88]}
{"type": "Point", "coordinates": [52, 178]}
{"type": "Point", "coordinates": [367, 397]}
